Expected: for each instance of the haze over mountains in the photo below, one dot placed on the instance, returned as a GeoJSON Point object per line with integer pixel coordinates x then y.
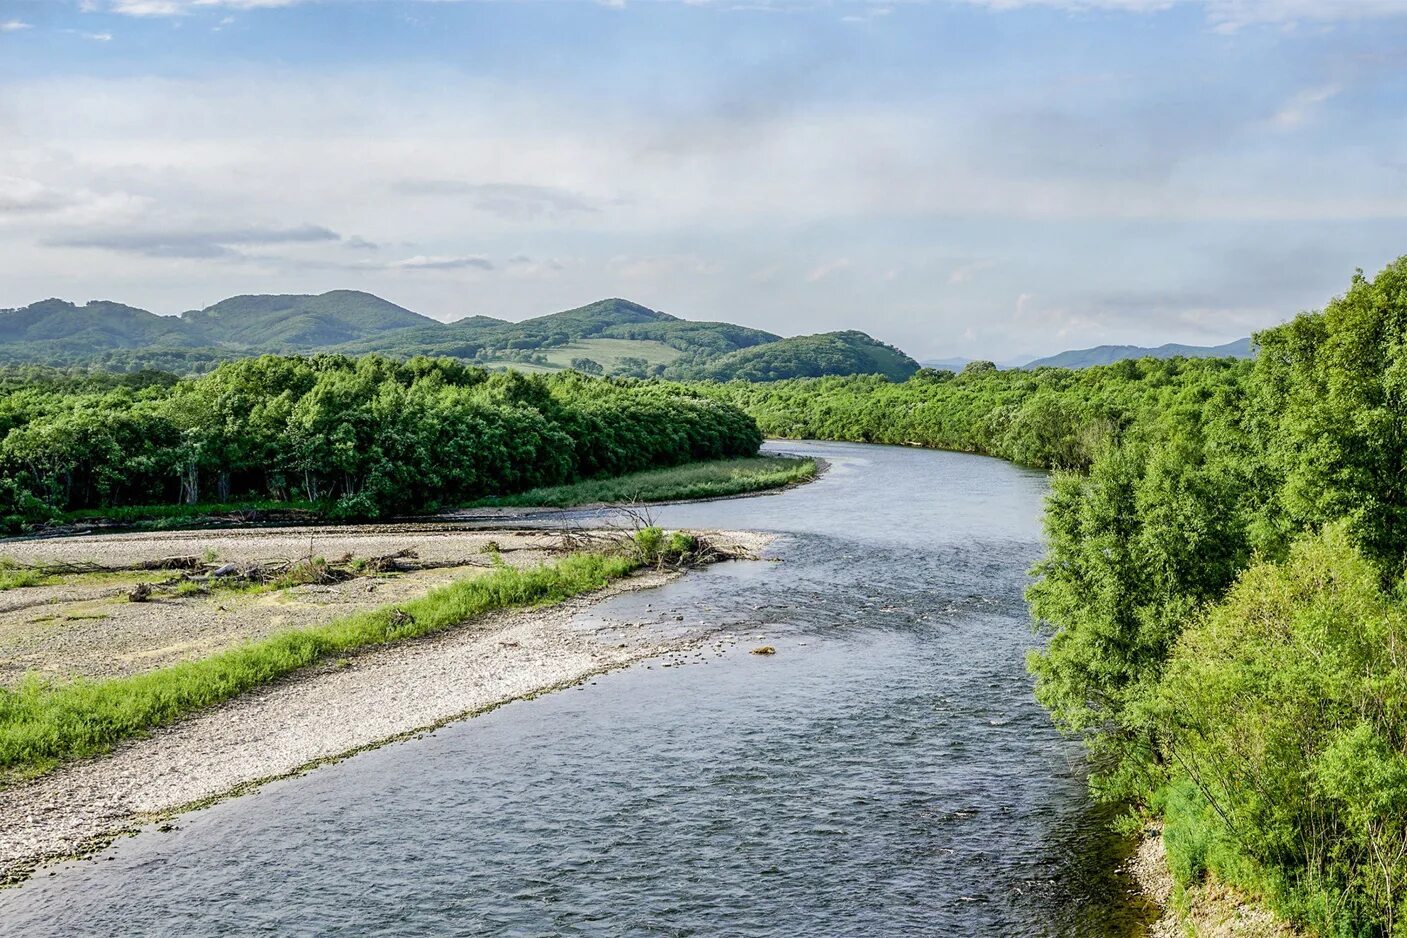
{"type": "Point", "coordinates": [613, 336]}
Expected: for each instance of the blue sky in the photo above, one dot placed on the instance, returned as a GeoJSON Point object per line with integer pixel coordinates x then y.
{"type": "Point", "coordinates": [992, 178]}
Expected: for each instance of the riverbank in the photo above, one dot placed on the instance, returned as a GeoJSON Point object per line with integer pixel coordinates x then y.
{"type": "Point", "coordinates": [697, 481]}
{"type": "Point", "coordinates": [326, 712]}
{"type": "Point", "coordinates": [1208, 909]}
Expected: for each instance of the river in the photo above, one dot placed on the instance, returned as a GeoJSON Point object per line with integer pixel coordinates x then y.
{"type": "Point", "coordinates": [886, 772]}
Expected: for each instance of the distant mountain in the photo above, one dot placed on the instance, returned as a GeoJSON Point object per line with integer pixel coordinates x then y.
{"type": "Point", "coordinates": [605, 319]}
{"type": "Point", "coordinates": [1106, 354]}
{"type": "Point", "coordinates": [94, 326]}
{"type": "Point", "coordinates": [812, 356]}
{"type": "Point", "coordinates": [299, 321]}
{"type": "Point", "coordinates": [614, 335]}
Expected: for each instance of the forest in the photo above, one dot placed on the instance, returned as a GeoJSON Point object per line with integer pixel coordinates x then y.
{"type": "Point", "coordinates": [355, 437]}
{"type": "Point", "coordinates": [1223, 592]}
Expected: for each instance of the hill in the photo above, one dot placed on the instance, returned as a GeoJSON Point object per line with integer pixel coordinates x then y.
{"type": "Point", "coordinates": [605, 319]}
{"type": "Point", "coordinates": [287, 322]}
{"type": "Point", "coordinates": [56, 328]}
{"type": "Point", "coordinates": [1105, 354]}
{"type": "Point", "coordinates": [811, 356]}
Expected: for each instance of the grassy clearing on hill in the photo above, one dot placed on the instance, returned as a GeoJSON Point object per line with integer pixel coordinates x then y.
{"type": "Point", "coordinates": [714, 479]}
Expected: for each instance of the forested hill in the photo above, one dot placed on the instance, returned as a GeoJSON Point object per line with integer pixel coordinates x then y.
{"type": "Point", "coordinates": [1108, 354]}
{"type": "Point", "coordinates": [299, 322]}
{"type": "Point", "coordinates": [613, 336]}
{"type": "Point", "coordinates": [811, 356]}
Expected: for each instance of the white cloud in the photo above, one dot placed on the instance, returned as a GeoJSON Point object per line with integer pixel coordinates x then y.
{"type": "Point", "coordinates": [193, 242]}
{"type": "Point", "coordinates": [183, 7]}
{"type": "Point", "coordinates": [965, 272]}
{"type": "Point", "coordinates": [1301, 107]}
{"type": "Point", "coordinates": [422, 262]}
{"type": "Point", "coordinates": [1224, 15]}
{"type": "Point", "coordinates": [828, 269]}
{"type": "Point", "coordinates": [14, 26]}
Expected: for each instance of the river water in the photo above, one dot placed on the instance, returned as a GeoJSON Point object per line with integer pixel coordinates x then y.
{"type": "Point", "coordinates": [886, 772]}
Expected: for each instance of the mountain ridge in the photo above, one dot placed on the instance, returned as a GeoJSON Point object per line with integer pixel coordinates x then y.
{"type": "Point", "coordinates": [1108, 354]}
{"type": "Point", "coordinates": [616, 335]}
{"type": "Point", "coordinates": [631, 339]}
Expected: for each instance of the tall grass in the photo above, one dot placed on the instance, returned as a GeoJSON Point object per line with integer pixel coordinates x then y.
{"type": "Point", "coordinates": [43, 724]}
{"type": "Point", "coordinates": [714, 479]}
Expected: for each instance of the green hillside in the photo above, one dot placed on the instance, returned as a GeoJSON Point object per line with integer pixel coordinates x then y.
{"type": "Point", "coordinates": [278, 323]}
{"type": "Point", "coordinates": [58, 328]}
{"type": "Point", "coordinates": [811, 356]}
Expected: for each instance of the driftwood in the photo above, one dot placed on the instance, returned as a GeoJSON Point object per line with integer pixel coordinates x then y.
{"type": "Point", "coordinates": [169, 563]}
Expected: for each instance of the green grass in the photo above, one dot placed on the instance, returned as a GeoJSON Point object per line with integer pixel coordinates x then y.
{"type": "Point", "coordinates": [159, 515]}
{"type": "Point", "coordinates": [697, 480]}
{"type": "Point", "coordinates": [530, 368]}
{"type": "Point", "coordinates": [605, 352]}
{"type": "Point", "coordinates": [609, 352]}
{"type": "Point", "coordinates": [15, 578]}
{"type": "Point", "coordinates": [44, 724]}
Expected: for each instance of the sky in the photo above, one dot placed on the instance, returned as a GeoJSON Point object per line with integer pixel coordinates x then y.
{"type": "Point", "coordinates": [983, 178]}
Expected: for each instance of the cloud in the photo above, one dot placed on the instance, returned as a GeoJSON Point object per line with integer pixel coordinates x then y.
{"type": "Point", "coordinates": [14, 26]}
{"type": "Point", "coordinates": [422, 262]}
{"type": "Point", "coordinates": [523, 264]}
{"type": "Point", "coordinates": [1302, 106]}
{"type": "Point", "coordinates": [965, 272]}
{"type": "Point", "coordinates": [19, 195]}
{"type": "Point", "coordinates": [868, 13]}
{"type": "Point", "coordinates": [210, 243]}
{"type": "Point", "coordinates": [829, 268]}
{"type": "Point", "coordinates": [1222, 15]}
{"type": "Point", "coordinates": [661, 267]}
{"type": "Point", "coordinates": [514, 201]}
{"type": "Point", "coordinates": [184, 7]}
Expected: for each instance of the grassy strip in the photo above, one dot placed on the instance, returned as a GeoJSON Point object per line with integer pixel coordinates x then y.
{"type": "Point", "coordinates": [44, 724]}
{"type": "Point", "coordinates": [697, 480]}
{"type": "Point", "coordinates": [158, 515]}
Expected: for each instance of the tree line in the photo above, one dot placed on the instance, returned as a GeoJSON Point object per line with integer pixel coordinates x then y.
{"type": "Point", "coordinates": [359, 437]}
{"type": "Point", "coordinates": [1224, 588]}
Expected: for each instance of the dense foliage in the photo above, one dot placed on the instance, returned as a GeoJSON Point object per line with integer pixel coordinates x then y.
{"type": "Point", "coordinates": [1224, 587]}
{"type": "Point", "coordinates": [362, 436]}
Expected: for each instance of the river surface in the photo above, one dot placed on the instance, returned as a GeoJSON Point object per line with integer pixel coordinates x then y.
{"type": "Point", "coordinates": [886, 772]}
